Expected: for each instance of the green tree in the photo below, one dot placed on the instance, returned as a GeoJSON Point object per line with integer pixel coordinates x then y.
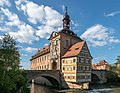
{"type": "Point", "coordinates": [112, 67]}
{"type": "Point", "coordinates": [12, 78]}
{"type": "Point", "coordinates": [118, 65]}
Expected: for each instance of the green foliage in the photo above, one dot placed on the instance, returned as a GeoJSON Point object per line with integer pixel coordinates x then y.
{"type": "Point", "coordinates": [117, 69]}
{"type": "Point", "coordinates": [12, 79]}
{"type": "Point", "coordinates": [112, 78]}
{"type": "Point", "coordinates": [112, 67]}
{"type": "Point", "coordinates": [111, 74]}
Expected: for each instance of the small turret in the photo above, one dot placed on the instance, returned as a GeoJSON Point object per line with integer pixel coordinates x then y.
{"type": "Point", "coordinates": [66, 20]}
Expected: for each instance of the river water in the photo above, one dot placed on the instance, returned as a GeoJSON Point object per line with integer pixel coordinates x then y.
{"type": "Point", "coordinates": [43, 89]}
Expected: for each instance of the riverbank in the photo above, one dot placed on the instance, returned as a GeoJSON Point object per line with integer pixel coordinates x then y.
{"type": "Point", "coordinates": [102, 86]}
{"type": "Point", "coordinates": [96, 88]}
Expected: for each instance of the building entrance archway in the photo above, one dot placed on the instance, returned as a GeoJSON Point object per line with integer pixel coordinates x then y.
{"type": "Point", "coordinates": [54, 65]}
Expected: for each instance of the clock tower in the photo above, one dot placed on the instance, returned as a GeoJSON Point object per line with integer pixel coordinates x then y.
{"type": "Point", "coordinates": [61, 41]}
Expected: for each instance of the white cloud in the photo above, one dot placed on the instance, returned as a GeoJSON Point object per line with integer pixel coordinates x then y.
{"type": "Point", "coordinates": [25, 34]}
{"type": "Point", "coordinates": [97, 59]}
{"type": "Point", "coordinates": [74, 25]}
{"type": "Point", "coordinates": [30, 49]}
{"type": "Point", "coordinates": [5, 2]}
{"type": "Point", "coordinates": [20, 31]}
{"type": "Point", "coordinates": [23, 55]}
{"type": "Point", "coordinates": [99, 35]}
{"type": "Point", "coordinates": [46, 44]}
{"type": "Point", "coordinates": [44, 31]}
{"type": "Point", "coordinates": [112, 14]}
{"type": "Point", "coordinates": [4, 29]}
{"type": "Point", "coordinates": [48, 18]}
{"type": "Point", "coordinates": [13, 19]}
{"type": "Point", "coordinates": [25, 65]}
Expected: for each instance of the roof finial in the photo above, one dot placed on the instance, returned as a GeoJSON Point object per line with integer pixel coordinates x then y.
{"type": "Point", "coordinates": [66, 10]}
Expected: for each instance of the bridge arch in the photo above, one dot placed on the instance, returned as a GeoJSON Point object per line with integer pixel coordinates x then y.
{"type": "Point", "coordinates": [52, 79]}
{"type": "Point", "coordinates": [94, 78]}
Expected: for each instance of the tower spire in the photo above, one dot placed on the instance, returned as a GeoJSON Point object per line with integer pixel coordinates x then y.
{"type": "Point", "coordinates": [66, 20]}
{"type": "Point", "coordinates": [65, 10]}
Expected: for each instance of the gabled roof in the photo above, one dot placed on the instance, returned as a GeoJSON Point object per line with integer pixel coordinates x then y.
{"type": "Point", "coordinates": [102, 62]}
{"type": "Point", "coordinates": [74, 50]}
{"type": "Point", "coordinates": [54, 34]}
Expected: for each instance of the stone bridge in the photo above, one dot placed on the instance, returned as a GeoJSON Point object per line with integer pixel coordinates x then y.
{"type": "Point", "coordinates": [53, 76]}
{"type": "Point", "coordinates": [57, 80]}
{"type": "Point", "coordinates": [98, 76]}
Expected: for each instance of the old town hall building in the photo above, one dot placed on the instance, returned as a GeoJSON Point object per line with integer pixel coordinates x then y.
{"type": "Point", "coordinates": [66, 52]}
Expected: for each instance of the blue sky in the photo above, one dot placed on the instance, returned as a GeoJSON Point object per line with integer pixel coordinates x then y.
{"type": "Point", "coordinates": [31, 22]}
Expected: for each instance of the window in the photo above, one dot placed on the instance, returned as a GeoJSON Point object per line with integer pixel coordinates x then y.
{"type": "Point", "coordinates": [68, 77]}
{"type": "Point", "coordinates": [83, 67]}
{"type": "Point", "coordinates": [87, 67]}
{"type": "Point", "coordinates": [40, 59]}
{"type": "Point", "coordinates": [78, 59]}
{"type": "Point", "coordinates": [63, 68]}
{"type": "Point", "coordinates": [40, 67]}
{"type": "Point", "coordinates": [73, 60]}
{"type": "Point", "coordinates": [66, 42]}
{"type": "Point", "coordinates": [65, 77]}
{"type": "Point", "coordinates": [56, 52]}
{"type": "Point", "coordinates": [45, 57]}
{"type": "Point", "coordinates": [52, 45]}
{"type": "Point", "coordinates": [84, 60]}
{"type": "Point", "coordinates": [47, 66]}
{"type": "Point", "coordinates": [56, 42]}
{"type": "Point", "coordinates": [63, 61]}
{"type": "Point", "coordinates": [73, 68]}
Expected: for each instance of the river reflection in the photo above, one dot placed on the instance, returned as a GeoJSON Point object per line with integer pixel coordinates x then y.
{"type": "Point", "coordinates": [43, 89]}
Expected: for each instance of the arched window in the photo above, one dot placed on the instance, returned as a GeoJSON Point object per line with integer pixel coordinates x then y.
{"type": "Point", "coordinates": [52, 45]}
{"type": "Point", "coordinates": [56, 42]}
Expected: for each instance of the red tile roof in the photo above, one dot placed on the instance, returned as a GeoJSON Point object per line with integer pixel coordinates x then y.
{"type": "Point", "coordinates": [42, 51]}
{"type": "Point", "coordinates": [74, 50]}
{"type": "Point", "coordinates": [102, 62]}
{"type": "Point", "coordinates": [94, 66]}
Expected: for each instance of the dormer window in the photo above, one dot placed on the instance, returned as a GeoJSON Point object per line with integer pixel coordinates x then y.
{"type": "Point", "coordinates": [69, 50]}
{"type": "Point", "coordinates": [76, 48]}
